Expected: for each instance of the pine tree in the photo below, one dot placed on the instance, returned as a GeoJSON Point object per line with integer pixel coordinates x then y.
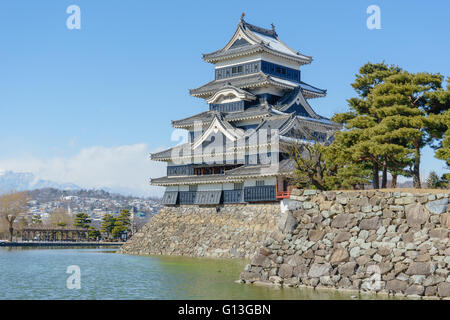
{"type": "Point", "coordinates": [402, 101]}
{"type": "Point", "coordinates": [93, 233]}
{"type": "Point", "coordinates": [443, 152]}
{"type": "Point", "coordinates": [433, 180]}
{"type": "Point", "coordinates": [107, 224]}
{"type": "Point", "coordinates": [391, 120]}
{"type": "Point", "coordinates": [121, 224]}
{"type": "Point", "coordinates": [36, 219]}
{"type": "Point", "coordinates": [360, 121]}
{"type": "Point", "coordinates": [82, 220]}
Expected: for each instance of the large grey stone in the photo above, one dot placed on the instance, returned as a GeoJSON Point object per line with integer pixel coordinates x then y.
{"type": "Point", "coordinates": [347, 269]}
{"type": "Point", "coordinates": [285, 271]}
{"type": "Point", "coordinates": [423, 268]}
{"type": "Point", "coordinates": [415, 289]}
{"type": "Point", "coordinates": [309, 192]}
{"type": "Point", "coordinates": [440, 233]}
{"type": "Point", "coordinates": [416, 215]}
{"type": "Point", "coordinates": [342, 199]}
{"type": "Point", "coordinates": [370, 224]}
{"type": "Point", "coordinates": [444, 289]}
{"type": "Point", "coordinates": [445, 220]}
{"type": "Point", "coordinates": [249, 276]}
{"type": "Point", "coordinates": [438, 206]}
{"type": "Point", "coordinates": [341, 220]}
{"type": "Point", "coordinates": [315, 235]}
{"type": "Point", "coordinates": [318, 270]}
{"type": "Point", "coordinates": [396, 285]}
{"type": "Point", "coordinates": [342, 236]}
{"type": "Point", "coordinates": [287, 223]}
{"type": "Point", "coordinates": [432, 280]}
{"type": "Point", "coordinates": [339, 255]}
{"type": "Point", "coordinates": [355, 252]}
{"type": "Point", "coordinates": [261, 260]}
{"type": "Point", "coordinates": [295, 260]}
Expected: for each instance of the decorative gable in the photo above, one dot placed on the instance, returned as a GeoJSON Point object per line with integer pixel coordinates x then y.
{"type": "Point", "coordinates": [229, 94]}
{"type": "Point", "coordinates": [216, 126]}
{"type": "Point", "coordinates": [239, 43]}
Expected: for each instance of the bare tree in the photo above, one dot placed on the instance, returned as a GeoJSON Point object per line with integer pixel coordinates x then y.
{"type": "Point", "coordinates": [11, 205]}
{"type": "Point", "coordinates": [61, 218]}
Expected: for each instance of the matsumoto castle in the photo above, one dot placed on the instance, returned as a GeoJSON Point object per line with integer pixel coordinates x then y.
{"type": "Point", "coordinates": [238, 151]}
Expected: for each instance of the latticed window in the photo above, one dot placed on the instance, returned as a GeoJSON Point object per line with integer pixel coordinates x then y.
{"type": "Point", "coordinates": [237, 69]}
{"type": "Point", "coordinates": [259, 183]}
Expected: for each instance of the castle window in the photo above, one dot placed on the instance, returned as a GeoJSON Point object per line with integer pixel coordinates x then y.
{"type": "Point", "coordinates": [237, 69]}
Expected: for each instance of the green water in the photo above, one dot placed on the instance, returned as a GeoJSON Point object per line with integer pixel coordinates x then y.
{"type": "Point", "coordinates": [41, 274]}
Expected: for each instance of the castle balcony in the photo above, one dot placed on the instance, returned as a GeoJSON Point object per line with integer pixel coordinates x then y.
{"type": "Point", "coordinates": [248, 194]}
{"type": "Point", "coordinates": [232, 196]}
{"type": "Point", "coordinates": [200, 197]}
{"type": "Point", "coordinates": [260, 193]}
{"type": "Point", "coordinates": [187, 197]}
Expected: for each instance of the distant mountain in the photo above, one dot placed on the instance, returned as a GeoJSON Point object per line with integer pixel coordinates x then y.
{"type": "Point", "coordinates": [25, 181]}
{"type": "Point", "coordinates": [51, 194]}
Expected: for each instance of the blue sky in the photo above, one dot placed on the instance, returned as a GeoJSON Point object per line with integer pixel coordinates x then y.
{"type": "Point", "coordinates": [84, 105]}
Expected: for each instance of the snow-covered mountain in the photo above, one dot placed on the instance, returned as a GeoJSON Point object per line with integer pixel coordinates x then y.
{"type": "Point", "coordinates": [22, 181]}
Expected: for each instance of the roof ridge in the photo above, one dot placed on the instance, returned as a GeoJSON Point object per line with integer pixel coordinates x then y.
{"type": "Point", "coordinates": [193, 116]}
{"type": "Point", "coordinates": [254, 28]}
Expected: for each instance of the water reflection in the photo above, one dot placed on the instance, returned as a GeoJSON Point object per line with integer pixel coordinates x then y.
{"type": "Point", "coordinates": [40, 273]}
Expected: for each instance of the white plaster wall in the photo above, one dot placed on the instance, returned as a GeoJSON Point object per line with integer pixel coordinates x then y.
{"type": "Point", "coordinates": [239, 60]}
{"type": "Point", "coordinates": [209, 187]}
{"type": "Point", "coordinates": [247, 122]}
{"type": "Point", "coordinates": [272, 90]}
{"type": "Point", "coordinates": [270, 181]}
{"type": "Point", "coordinates": [250, 183]}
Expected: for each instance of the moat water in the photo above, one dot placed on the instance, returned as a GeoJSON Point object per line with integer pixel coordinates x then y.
{"type": "Point", "coordinates": [41, 273]}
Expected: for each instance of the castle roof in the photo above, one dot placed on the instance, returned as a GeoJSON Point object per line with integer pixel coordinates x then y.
{"type": "Point", "coordinates": [250, 39]}
{"type": "Point", "coordinates": [256, 80]}
{"type": "Point", "coordinates": [254, 112]}
{"type": "Point", "coordinates": [285, 167]}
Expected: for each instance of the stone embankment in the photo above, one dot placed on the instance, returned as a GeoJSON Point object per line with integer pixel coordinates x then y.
{"type": "Point", "coordinates": [383, 242]}
{"type": "Point", "coordinates": [230, 231]}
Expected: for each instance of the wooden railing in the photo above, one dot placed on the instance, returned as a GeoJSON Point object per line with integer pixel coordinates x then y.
{"type": "Point", "coordinates": [283, 195]}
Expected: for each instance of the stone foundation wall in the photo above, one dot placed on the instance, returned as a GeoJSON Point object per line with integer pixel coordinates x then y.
{"type": "Point", "coordinates": [230, 231]}
{"type": "Point", "coordinates": [384, 242]}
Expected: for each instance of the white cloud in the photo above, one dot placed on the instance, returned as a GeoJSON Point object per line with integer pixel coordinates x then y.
{"type": "Point", "coordinates": [123, 168]}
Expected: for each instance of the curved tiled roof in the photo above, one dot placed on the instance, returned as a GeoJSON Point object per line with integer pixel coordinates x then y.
{"type": "Point", "coordinates": [256, 80]}
{"type": "Point", "coordinates": [259, 39]}
{"type": "Point", "coordinates": [284, 167]}
{"type": "Point", "coordinates": [207, 116]}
